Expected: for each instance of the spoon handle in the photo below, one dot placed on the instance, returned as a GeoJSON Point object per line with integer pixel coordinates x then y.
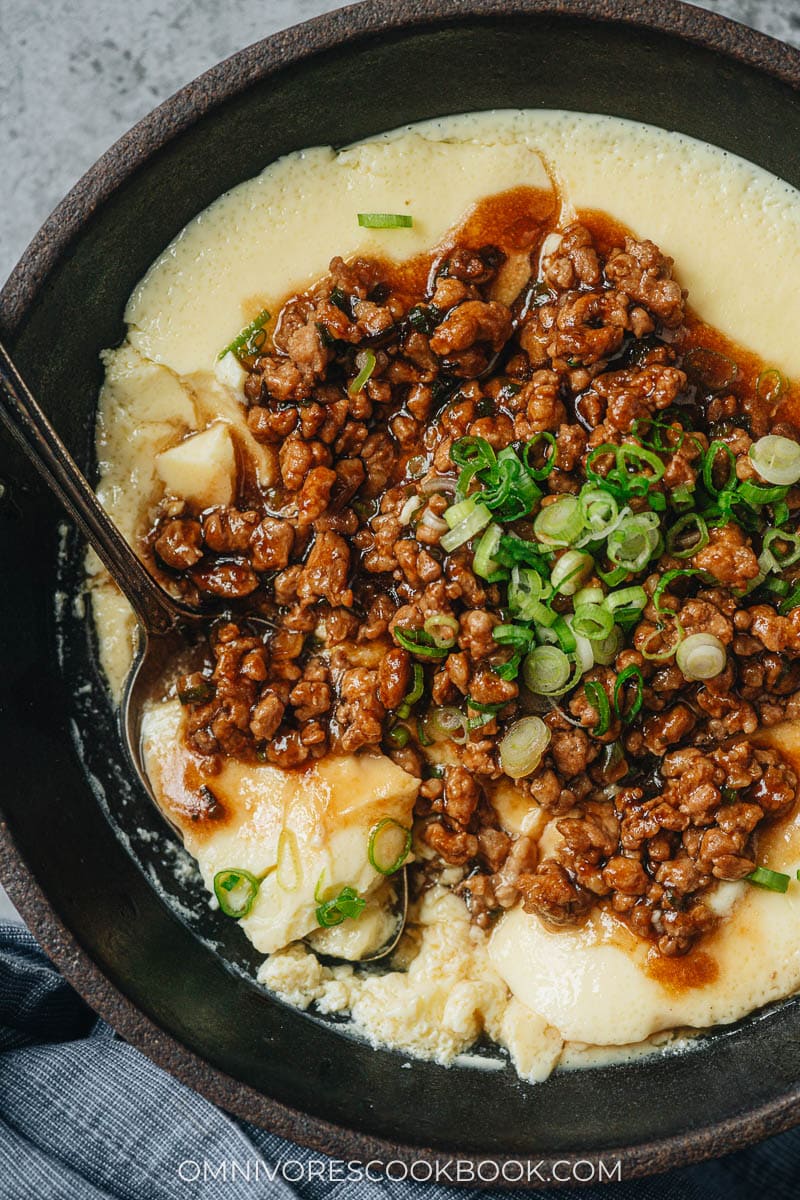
{"type": "Point", "coordinates": [24, 419]}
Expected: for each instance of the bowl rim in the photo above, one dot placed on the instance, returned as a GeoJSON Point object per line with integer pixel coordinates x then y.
{"type": "Point", "coordinates": [175, 115]}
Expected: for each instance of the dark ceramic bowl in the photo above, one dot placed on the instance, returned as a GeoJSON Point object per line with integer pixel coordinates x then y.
{"type": "Point", "coordinates": [144, 950]}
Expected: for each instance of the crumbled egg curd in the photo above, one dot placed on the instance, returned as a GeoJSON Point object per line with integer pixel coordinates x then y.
{"type": "Point", "coordinates": [166, 412]}
{"type": "Point", "coordinates": [438, 1007]}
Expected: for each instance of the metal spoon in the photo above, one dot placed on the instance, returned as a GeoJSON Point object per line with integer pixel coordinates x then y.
{"type": "Point", "coordinates": [165, 624]}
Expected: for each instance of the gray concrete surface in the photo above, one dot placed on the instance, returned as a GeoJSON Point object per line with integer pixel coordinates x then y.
{"type": "Point", "coordinates": [75, 74]}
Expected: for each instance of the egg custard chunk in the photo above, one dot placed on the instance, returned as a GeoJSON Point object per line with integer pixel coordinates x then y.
{"type": "Point", "coordinates": [492, 419]}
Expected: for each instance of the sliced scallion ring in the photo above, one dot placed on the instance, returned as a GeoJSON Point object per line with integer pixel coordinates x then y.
{"type": "Point", "coordinates": [417, 641]}
{"type": "Point", "coordinates": [598, 698]}
{"type": "Point", "coordinates": [365, 361]}
{"type": "Point", "coordinates": [559, 523]}
{"type": "Point", "coordinates": [236, 891]}
{"type": "Point", "coordinates": [627, 710]}
{"type": "Point", "coordinates": [476, 519]}
{"type": "Point", "coordinates": [606, 651]}
{"type": "Point", "coordinates": [773, 881]}
{"type": "Point", "coordinates": [755, 495]}
{"type": "Point", "coordinates": [600, 512]}
{"type": "Point", "coordinates": [668, 650]}
{"type": "Point", "coordinates": [442, 629]}
{"type": "Point", "coordinates": [483, 563]}
{"type": "Point", "coordinates": [244, 340]}
{"type": "Point", "coordinates": [627, 597]}
{"type": "Point", "coordinates": [632, 544]}
{"type": "Point", "coordinates": [777, 459]}
{"type": "Point", "coordinates": [523, 746]}
{"type": "Point", "coordinates": [347, 904]}
{"type": "Point", "coordinates": [543, 471]}
{"type": "Point", "coordinates": [588, 595]}
{"type": "Point", "coordinates": [389, 845]}
{"type": "Point", "coordinates": [710, 468]}
{"type": "Point", "coordinates": [701, 656]}
{"type": "Point", "coordinates": [445, 722]}
{"type": "Point", "coordinates": [373, 220]}
{"type": "Point", "coordinates": [688, 535]}
{"type": "Point", "coordinates": [569, 571]}
{"type": "Point", "coordinates": [546, 670]}
{"type": "Point", "coordinates": [774, 540]}
{"type": "Point", "coordinates": [593, 621]}
{"type": "Point", "coordinates": [413, 694]}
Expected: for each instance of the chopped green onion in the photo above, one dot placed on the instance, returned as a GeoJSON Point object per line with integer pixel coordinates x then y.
{"type": "Point", "coordinates": [607, 650]}
{"type": "Point", "coordinates": [543, 471]}
{"type": "Point", "coordinates": [634, 541]}
{"type": "Point", "coordinates": [596, 695]}
{"type": "Point", "coordinates": [629, 597]}
{"type": "Point", "coordinates": [236, 890]}
{"type": "Point", "coordinates": [560, 523]}
{"type": "Point", "coordinates": [473, 452]}
{"type": "Point", "coordinates": [385, 220]}
{"type": "Point", "coordinates": [484, 563]}
{"type": "Point", "coordinates": [513, 635]}
{"type": "Point", "coordinates": [688, 535]}
{"type": "Point", "coordinates": [514, 550]}
{"type": "Point", "coordinates": [600, 512]}
{"type": "Point", "coordinates": [399, 736]}
{"type": "Point", "coordinates": [593, 621]}
{"type": "Point", "coordinates": [791, 601]}
{"type": "Point", "coordinates": [630, 454]}
{"type": "Point", "coordinates": [709, 465]}
{"type": "Point", "coordinates": [510, 669]}
{"type": "Point", "coordinates": [389, 845]}
{"type": "Point", "coordinates": [754, 494]}
{"type": "Point", "coordinates": [242, 339]}
{"type": "Point", "coordinates": [476, 520]}
{"type": "Point", "coordinates": [416, 641]}
{"type": "Point", "coordinates": [546, 670]}
{"type": "Point", "coordinates": [447, 722]}
{"type": "Point", "coordinates": [664, 582]}
{"type": "Point", "coordinates": [523, 746]}
{"type": "Point", "coordinates": [668, 651]}
{"type": "Point", "coordinates": [509, 489]}
{"type": "Point", "coordinates": [563, 632]}
{"type": "Point", "coordinates": [627, 712]}
{"type": "Point", "coordinates": [347, 904]}
{"type": "Point", "coordinates": [778, 559]}
{"type": "Point", "coordinates": [414, 694]}
{"type": "Point", "coordinates": [614, 576]}
{"type": "Point", "coordinates": [777, 459]}
{"type": "Point", "coordinates": [701, 656]}
{"type": "Point", "coordinates": [526, 591]}
{"type": "Point", "coordinates": [368, 361]}
{"type": "Point", "coordinates": [773, 881]}
{"type": "Point", "coordinates": [442, 629]}
{"type": "Point", "coordinates": [606, 449]}
{"type": "Point", "coordinates": [588, 595]}
{"type": "Point", "coordinates": [569, 572]}
{"type": "Point", "coordinates": [422, 736]}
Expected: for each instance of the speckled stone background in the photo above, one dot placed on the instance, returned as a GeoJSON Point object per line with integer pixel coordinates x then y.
{"type": "Point", "coordinates": [75, 74]}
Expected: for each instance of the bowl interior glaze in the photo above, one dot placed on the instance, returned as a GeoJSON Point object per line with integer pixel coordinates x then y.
{"type": "Point", "coordinates": [139, 943]}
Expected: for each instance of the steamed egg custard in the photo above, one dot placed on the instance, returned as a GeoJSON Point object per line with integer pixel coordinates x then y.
{"type": "Point", "coordinates": [492, 419]}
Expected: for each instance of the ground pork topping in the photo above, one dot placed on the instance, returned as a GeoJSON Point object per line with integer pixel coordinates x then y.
{"type": "Point", "coordinates": [513, 542]}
